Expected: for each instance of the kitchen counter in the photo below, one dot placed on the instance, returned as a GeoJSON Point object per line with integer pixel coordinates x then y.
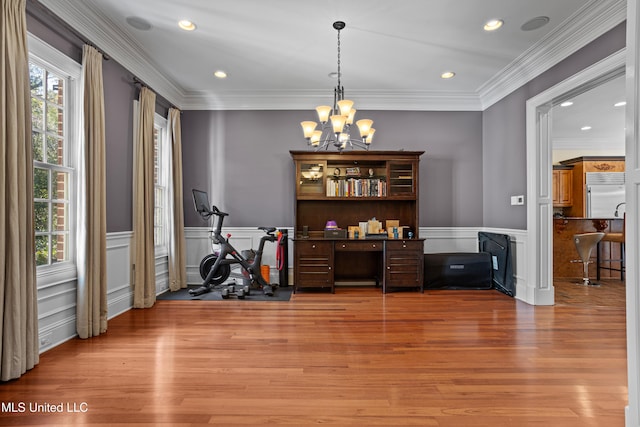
{"type": "Point", "coordinates": [564, 249]}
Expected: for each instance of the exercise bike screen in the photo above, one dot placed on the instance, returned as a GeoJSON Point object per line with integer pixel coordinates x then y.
{"type": "Point", "coordinates": [201, 200]}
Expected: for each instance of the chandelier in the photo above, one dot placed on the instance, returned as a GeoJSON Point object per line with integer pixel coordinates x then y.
{"type": "Point", "coordinates": [335, 121]}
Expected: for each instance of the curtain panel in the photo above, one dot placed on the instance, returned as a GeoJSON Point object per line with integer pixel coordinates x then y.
{"type": "Point", "coordinates": [177, 245]}
{"type": "Point", "coordinates": [91, 314]}
{"type": "Point", "coordinates": [144, 285]}
{"type": "Point", "coordinates": [19, 348]}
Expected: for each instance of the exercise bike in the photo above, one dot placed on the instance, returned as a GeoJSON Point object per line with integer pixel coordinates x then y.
{"type": "Point", "coordinates": [216, 267]}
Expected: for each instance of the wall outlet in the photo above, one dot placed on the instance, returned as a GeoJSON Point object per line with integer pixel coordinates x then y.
{"type": "Point", "coordinates": [517, 200]}
{"type": "Point", "coordinates": [46, 339]}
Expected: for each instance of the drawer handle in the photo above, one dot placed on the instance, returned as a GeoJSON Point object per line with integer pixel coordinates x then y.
{"type": "Point", "coordinates": [313, 246]}
{"type": "Point", "coordinates": [404, 246]}
{"type": "Point", "coordinates": [344, 246]}
{"type": "Point", "coordinates": [374, 246]}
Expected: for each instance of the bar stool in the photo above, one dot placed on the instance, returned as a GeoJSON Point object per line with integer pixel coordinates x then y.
{"type": "Point", "coordinates": [612, 238]}
{"type": "Point", "coordinates": [585, 243]}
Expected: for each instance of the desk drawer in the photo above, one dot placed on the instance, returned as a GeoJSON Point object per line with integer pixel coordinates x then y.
{"type": "Point", "coordinates": [313, 248]}
{"type": "Point", "coordinates": [401, 245]}
{"type": "Point", "coordinates": [359, 245]}
{"type": "Point", "coordinates": [313, 264]}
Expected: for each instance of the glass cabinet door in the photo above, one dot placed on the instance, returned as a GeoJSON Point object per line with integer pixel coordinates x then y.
{"type": "Point", "coordinates": [311, 178]}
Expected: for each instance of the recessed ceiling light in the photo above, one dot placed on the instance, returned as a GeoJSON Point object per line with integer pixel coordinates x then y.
{"type": "Point", "coordinates": [620, 104]}
{"type": "Point", "coordinates": [535, 23]}
{"type": "Point", "coordinates": [187, 25]}
{"type": "Point", "coordinates": [220, 74]}
{"type": "Point", "coordinates": [138, 23]}
{"type": "Point", "coordinates": [566, 104]}
{"type": "Point", "coordinates": [585, 128]}
{"type": "Point", "coordinates": [447, 75]}
{"type": "Point", "coordinates": [493, 24]}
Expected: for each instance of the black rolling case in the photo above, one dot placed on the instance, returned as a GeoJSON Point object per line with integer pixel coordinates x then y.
{"type": "Point", "coordinates": [458, 271]}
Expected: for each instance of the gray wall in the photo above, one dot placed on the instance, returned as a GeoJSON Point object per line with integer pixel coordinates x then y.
{"type": "Point", "coordinates": [241, 158]}
{"type": "Point", "coordinates": [504, 133]}
{"type": "Point", "coordinates": [474, 161]}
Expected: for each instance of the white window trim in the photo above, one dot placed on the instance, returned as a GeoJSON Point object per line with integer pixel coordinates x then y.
{"type": "Point", "coordinates": [162, 122]}
{"type": "Point", "coordinates": [46, 55]}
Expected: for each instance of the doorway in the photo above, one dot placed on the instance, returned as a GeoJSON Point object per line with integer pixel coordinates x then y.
{"type": "Point", "coordinates": [588, 138]}
{"type": "Point", "coordinates": [539, 167]}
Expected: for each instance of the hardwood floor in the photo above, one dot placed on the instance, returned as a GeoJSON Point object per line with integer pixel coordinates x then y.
{"type": "Point", "coordinates": [356, 357]}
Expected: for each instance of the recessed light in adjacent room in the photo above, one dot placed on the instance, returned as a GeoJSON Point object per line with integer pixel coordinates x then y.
{"type": "Point", "coordinates": [535, 23]}
{"type": "Point", "coordinates": [220, 74]}
{"type": "Point", "coordinates": [566, 104]}
{"type": "Point", "coordinates": [138, 23]}
{"type": "Point", "coordinates": [585, 128]}
{"type": "Point", "coordinates": [493, 24]}
{"type": "Point", "coordinates": [187, 25]}
{"type": "Point", "coordinates": [620, 104]}
{"type": "Point", "coordinates": [448, 75]}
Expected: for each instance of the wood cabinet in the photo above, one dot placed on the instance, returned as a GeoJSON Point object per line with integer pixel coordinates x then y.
{"type": "Point", "coordinates": [404, 264]}
{"type": "Point", "coordinates": [350, 188]}
{"type": "Point", "coordinates": [562, 186]}
{"type": "Point", "coordinates": [314, 264]}
{"type": "Point", "coordinates": [580, 167]}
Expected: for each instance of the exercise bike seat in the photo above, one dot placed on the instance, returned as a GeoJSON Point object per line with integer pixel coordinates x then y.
{"type": "Point", "coordinates": [267, 230]}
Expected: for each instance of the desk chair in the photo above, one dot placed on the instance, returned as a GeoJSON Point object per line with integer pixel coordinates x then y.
{"type": "Point", "coordinates": [585, 243]}
{"type": "Point", "coordinates": [612, 238]}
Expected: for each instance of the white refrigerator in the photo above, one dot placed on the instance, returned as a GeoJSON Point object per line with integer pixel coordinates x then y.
{"type": "Point", "coordinates": [605, 194]}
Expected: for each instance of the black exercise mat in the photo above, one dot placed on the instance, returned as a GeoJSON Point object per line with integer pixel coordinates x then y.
{"type": "Point", "coordinates": [279, 294]}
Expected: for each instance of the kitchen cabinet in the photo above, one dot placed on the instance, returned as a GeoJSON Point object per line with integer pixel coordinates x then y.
{"type": "Point", "coordinates": [562, 186]}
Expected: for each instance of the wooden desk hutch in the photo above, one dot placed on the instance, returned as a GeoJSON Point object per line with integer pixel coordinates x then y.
{"type": "Point", "coordinates": [350, 188]}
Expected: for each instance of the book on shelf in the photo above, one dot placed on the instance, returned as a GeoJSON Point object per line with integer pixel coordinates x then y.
{"type": "Point", "coordinates": [356, 187]}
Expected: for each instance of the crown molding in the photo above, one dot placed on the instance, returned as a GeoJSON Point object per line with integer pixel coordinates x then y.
{"type": "Point", "coordinates": [587, 24]}
{"type": "Point", "coordinates": [308, 100]}
{"type": "Point", "coordinates": [101, 32]}
{"type": "Point", "coordinates": [590, 22]}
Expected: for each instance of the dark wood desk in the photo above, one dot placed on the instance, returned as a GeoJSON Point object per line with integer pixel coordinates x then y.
{"type": "Point", "coordinates": [320, 262]}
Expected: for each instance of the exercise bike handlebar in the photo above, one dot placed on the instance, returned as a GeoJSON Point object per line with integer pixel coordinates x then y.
{"type": "Point", "coordinates": [218, 212]}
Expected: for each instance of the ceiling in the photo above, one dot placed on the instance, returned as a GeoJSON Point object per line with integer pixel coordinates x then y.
{"type": "Point", "coordinates": [278, 54]}
{"type": "Point", "coordinates": [597, 110]}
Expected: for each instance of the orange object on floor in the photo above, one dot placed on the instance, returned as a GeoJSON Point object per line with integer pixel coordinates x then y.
{"type": "Point", "coordinates": [266, 272]}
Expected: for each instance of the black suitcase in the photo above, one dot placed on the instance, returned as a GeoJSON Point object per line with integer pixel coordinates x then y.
{"type": "Point", "coordinates": [458, 270]}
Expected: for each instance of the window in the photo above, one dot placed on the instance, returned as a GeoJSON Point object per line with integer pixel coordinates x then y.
{"type": "Point", "coordinates": [54, 143]}
{"type": "Point", "coordinates": [161, 175]}
{"type": "Point", "coordinates": [160, 178]}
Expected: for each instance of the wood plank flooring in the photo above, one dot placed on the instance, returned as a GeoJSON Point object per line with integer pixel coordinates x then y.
{"type": "Point", "coordinates": [356, 357]}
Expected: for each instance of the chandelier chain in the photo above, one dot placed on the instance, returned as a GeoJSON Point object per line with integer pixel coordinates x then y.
{"type": "Point", "coordinates": [339, 73]}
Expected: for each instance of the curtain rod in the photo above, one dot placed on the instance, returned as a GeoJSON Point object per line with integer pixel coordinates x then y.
{"type": "Point", "coordinates": [159, 98]}
{"type": "Point", "coordinates": [36, 6]}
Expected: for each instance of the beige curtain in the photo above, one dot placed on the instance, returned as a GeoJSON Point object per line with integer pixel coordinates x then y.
{"type": "Point", "coordinates": [177, 257]}
{"type": "Point", "coordinates": [91, 311]}
{"type": "Point", "coordinates": [19, 349]}
{"type": "Point", "coordinates": [144, 285]}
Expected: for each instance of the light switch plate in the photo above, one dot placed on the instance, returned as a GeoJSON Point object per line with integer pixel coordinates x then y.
{"type": "Point", "coordinates": [517, 200]}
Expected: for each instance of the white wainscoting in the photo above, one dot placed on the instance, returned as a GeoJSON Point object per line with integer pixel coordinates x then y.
{"type": "Point", "coordinates": [57, 291]}
{"type": "Point", "coordinates": [438, 239]}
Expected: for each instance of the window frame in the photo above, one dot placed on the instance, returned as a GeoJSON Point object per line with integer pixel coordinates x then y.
{"type": "Point", "coordinates": [161, 124]}
{"type": "Point", "coordinates": [54, 61]}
